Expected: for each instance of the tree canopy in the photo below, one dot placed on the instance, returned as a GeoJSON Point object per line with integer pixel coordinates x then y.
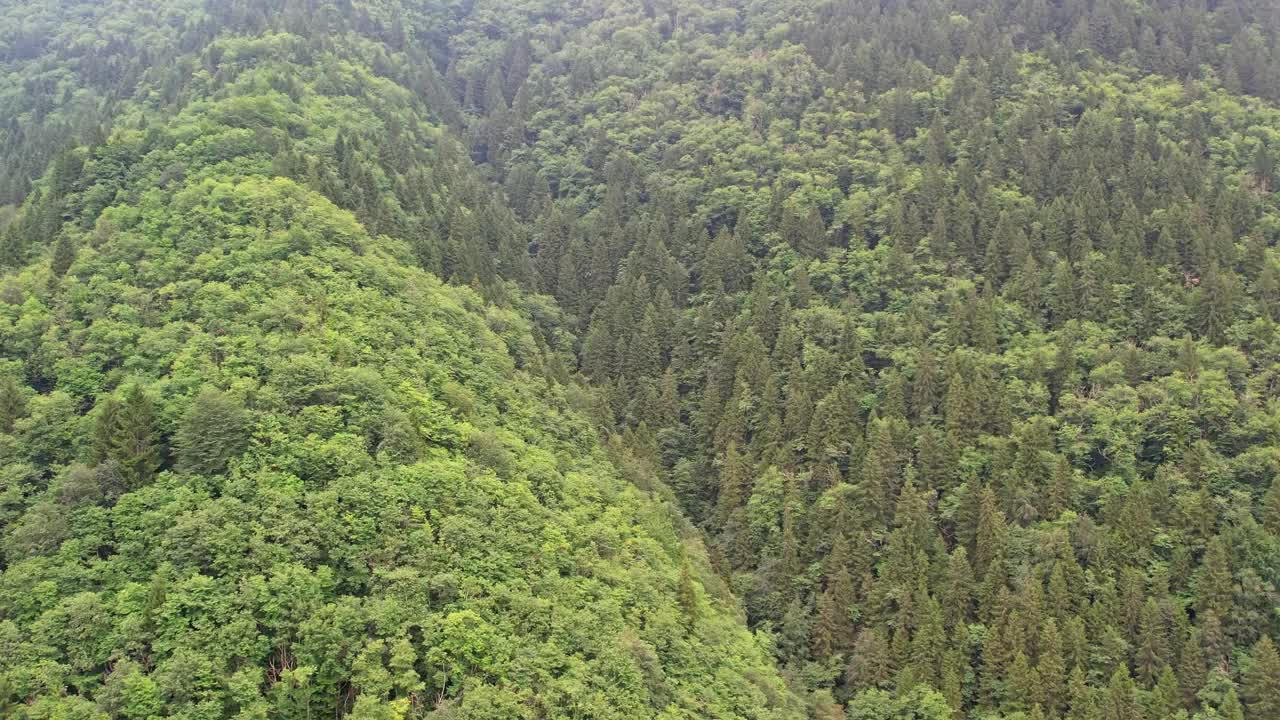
{"type": "Point", "coordinates": [909, 359]}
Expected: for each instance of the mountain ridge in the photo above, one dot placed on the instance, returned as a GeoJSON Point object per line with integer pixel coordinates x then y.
{"type": "Point", "coordinates": [950, 325]}
{"type": "Point", "coordinates": [259, 425]}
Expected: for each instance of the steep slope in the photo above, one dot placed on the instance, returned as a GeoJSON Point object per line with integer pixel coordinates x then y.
{"type": "Point", "coordinates": [257, 463]}
{"type": "Point", "coordinates": [953, 323]}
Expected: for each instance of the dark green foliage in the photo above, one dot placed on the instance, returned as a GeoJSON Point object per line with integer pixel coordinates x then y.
{"type": "Point", "coordinates": [134, 445]}
{"type": "Point", "coordinates": [1261, 687]}
{"type": "Point", "coordinates": [213, 431]}
{"type": "Point", "coordinates": [126, 439]}
{"type": "Point", "coordinates": [64, 253]}
{"type": "Point", "coordinates": [951, 326]}
{"type": "Point", "coordinates": [276, 469]}
{"type": "Point", "coordinates": [13, 402]}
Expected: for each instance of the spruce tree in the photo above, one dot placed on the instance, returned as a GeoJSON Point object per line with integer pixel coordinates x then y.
{"type": "Point", "coordinates": [1230, 707]}
{"type": "Point", "coordinates": [1082, 700]}
{"type": "Point", "coordinates": [1022, 683]}
{"type": "Point", "coordinates": [1166, 696]}
{"type": "Point", "coordinates": [1261, 686]}
{"type": "Point", "coordinates": [828, 626]}
{"type": "Point", "coordinates": [211, 433]}
{"type": "Point", "coordinates": [1121, 701]}
{"type": "Point", "coordinates": [687, 595]}
{"type": "Point", "coordinates": [105, 427]}
{"type": "Point", "coordinates": [1051, 670]}
{"type": "Point", "coordinates": [64, 254]}
{"type": "Point", "coordinates": [928, 646]}
{"type": "Point", "coordinates": [1061, 488]}
{"type": "Point", "coordinates": [1271, 508]}
{"type": "Point", "coordinates": [958, 595]}
{"type": "Point", "coordinates": [735, 482]}
{"type": "Point", "coordinates": [135, 444]}
{"type": "Point", "coordinates": [1213, 581]}
{"type": "Point", "coordinates": [1153, 646]}
{"type": "Point", "coordinates": [1192, 665]}
{"type": "Point", "coordinates": [989, 542]}
{"type": "Point", "coordinates": [13, 402]}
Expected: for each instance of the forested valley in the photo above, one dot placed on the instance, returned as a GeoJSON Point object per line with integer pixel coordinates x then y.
{"type": "Point", "coordinates": [672, 359]}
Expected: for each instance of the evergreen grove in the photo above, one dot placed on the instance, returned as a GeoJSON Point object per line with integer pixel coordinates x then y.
{"type": "Point", "coordinates": [640, 359]}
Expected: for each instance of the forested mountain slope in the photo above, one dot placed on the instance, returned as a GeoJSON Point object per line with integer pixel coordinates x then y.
{"type": "Point", "coordinates": [952, 324]}
{"type": "Point", "coordinates": [967, 326]}
{"type": "Point", "coordinates": [257, 463]}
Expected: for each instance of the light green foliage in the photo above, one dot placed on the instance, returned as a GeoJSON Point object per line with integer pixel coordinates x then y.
{"type": "Point", "coordinates": [949, 328]}
{"type": "Point", "coordinates": [918, 704]}
{"type": "Point", "coordinates": [292, 473]}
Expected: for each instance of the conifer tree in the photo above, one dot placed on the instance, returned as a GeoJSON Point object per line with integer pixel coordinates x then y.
{"type": "Point", "coordinates": [64, 253]}
{"type": "Point", "coordinates": [1022, 683]}
{"type": "Point", "coordinates": [1261, 688]}
{"type": "Point", "coordinates": [882, 467]}
{"type": "Point", "coordinates": [1213, 581]}
{"type": "Point", "coordinates": [958, 595]}
{"type": "Point", "coordinates": [1051, 670]}
{"type": "Point", "coordinates": [734, 482]}
{"type": "Point", "coordinates": [925, 386]}
{"type": "Point", "coordinates": [212, 432]}
{"type": "Point", "coordinates": [1192, 665]}
{"type": "Point", "coordinates": [727, 262]}
{"type": "Point", "coordinates": [870, 663]}
{"type": "Point", "coordinates": [12, 403]}
{"type": "Point", "coordinates": [135, 443]}
{"type": "Point", "coordinates": [1230, 707]}
{"type": "Point", "coordinates": [928, 646]}
{"type": "Point", "coordinates": [1121, 701]}
{"type": "Point", "coordinates": [840, 579]}
{"type": "Point", "coordinates": [106, 422]}
{"type": "Point", "coordinates": [687, 595]}
{"type": "Point", "coordinates": [1083, 704]}
{"type": "Point", "coordinates": [827, 626]}
{"type": "Point", "coordinates": [1271, 508]}
{"type": "Point", "coordinates": [1058, 596]}
{"type": "Point", "coordinates": [962, 409]}
{"type": "Point", "coordinates": [1061, 488]}
{"type": "Point", "coordinates": [1166, 696]}
{"type": "Point", "coordinates": [1152, 646]}
{"type": "Point", "coordinates": [990, 539]}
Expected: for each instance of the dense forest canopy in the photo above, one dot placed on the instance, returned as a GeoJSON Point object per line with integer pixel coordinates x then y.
{"type": "Point", "coordinates": [700, 359]}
